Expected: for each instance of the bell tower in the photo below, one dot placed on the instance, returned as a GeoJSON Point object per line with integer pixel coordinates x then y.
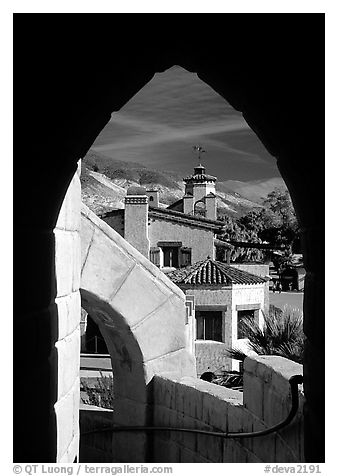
{"type": "Point", "coordinates": [200, 191]}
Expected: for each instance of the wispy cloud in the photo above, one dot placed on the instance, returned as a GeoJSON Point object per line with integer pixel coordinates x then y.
{"type": "Point", "coordinates": [151, 133]}
{"type": "Point", "coordinates": [175, 111]}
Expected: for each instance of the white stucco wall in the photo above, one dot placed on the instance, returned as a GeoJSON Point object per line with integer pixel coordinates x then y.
{"type": "Point", "coordinates": [209, 355]}
{"type": "Point", "coordinates": [199, 240]}
{"type": "Point", "coordinates": [245, 295]}
{"type": "Point", "coordinates": [201, 190]}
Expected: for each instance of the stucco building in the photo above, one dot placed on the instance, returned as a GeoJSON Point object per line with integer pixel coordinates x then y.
{"type": "Point", "coordinates": [177, 236]}
{"type": "Point", "coordinates": [222, 296]}
{"type": "Point", "coordinates": [181, 240]}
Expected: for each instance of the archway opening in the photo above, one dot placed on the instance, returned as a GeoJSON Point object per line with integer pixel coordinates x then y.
{"type": "Point", "coordinates": [156, 128]}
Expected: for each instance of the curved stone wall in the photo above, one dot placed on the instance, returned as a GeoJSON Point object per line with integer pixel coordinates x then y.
{"type": "Point", "coordinates": [141, 315]}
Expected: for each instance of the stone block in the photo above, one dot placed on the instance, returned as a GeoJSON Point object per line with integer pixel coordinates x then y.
{"type": "Point", "coordinates": [69, 217]}
{"type": "Point", "coordinates": [179, 363]}
{"type": "Point", "coordinates": [214, 412]}
{"type": "Point", "coordinates": [253, 394]}
{"type": "Point", "coordinates": [264, 447]}
{"type": "Point", "coordinates": [165, 451]}
{"type": "Point", "coordinates": [214, 449]}
{"type": "Point", "coordinates": [76, 405]}
{"type": "Point", "coordinates": [64, 261]}
{"type": "Point", "coordinates": [264, 372]}
{"type": "Point", "coordinates": [72, 451]}
{"type": "Point", "coordinates": [189, 440]}
{"type": "Point", "coordinates": [139, 296]}
{"type": "Point", "coordinates": [205, 441]}
{"type": "Point", "coordinates": [130, 447]}
{"type": "Point", "coordinates": [68, 355]}
{"type": "Point", "coordinates": [162, 417]}
{"type": "Point", "coordinates": [76, 279]}
{"type": "Point", "coordinates": [187, 456]}
{"type": "Point", "coordinates": [164, 392]}
{"type": "Point", "coordinates": [285, 453]}
{"type": "Point", "coordinates": [162, 332]}
{"type": "Point", "coordinates": [227, 450]}
{"type": "Point", "coordinates": [130, 251]}
{"type": "Point", "coordinates": [64, 411]}
{"type": "Point", "coordinates": [250, 365]}
{"type": "Point", "coordinates": [193, 401]}
{"type": "Point", "coordinates": [280, 368]}
{"type": "Point", "coordinates": [129, 412]}
{"type": "Point", "coordinates": [73, 216]}
{"type": "Point", "coordinates": [176, 421]}
{"type": "Point", "coordinates": [236, 414]}
{"type": "Point", "coordinates": [106, 267]}
{"type": "Point", "coordinates": [247, 427]}
{"type": "Point", "coordinates": [179, 397]}
{"type": "Point", "coordinates": [252, 458]}
{"type": "Point", "coordinates": [239, 453]}
{"type": "Point", "coordinates": [68, 310]}
{"type": "Point", "coordinates": [275, 406]}
{"type": "Point", "coordinates": [129, 381]}
{"type": "Point", "coordinates": [87, 236]}
{"type": "Point", "coordinates": [292, 437]}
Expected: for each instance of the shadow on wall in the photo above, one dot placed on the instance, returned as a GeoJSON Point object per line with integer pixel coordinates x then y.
{"type": "Point", "coordinates": [130, 390]}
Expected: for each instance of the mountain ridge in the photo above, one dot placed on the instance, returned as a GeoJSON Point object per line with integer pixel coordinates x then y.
{"type": "Point", "coordinates": [105, 182]}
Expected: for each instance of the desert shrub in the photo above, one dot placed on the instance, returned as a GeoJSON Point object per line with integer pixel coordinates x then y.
{"type": "Point", "coordinates": [281, 334]}
{"type": "Point", "coordinates": [101, 394]}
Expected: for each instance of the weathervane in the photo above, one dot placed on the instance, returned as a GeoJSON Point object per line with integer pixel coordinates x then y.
{"type": "Point", "coordinates": [200, 151]}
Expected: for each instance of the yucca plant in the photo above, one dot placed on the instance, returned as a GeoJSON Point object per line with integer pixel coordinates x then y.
{"type": "Point", "coordinates": [281, 334]}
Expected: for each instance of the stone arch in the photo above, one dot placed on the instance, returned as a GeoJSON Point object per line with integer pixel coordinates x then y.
{"type": "Point", "coordinates": [141, 315]}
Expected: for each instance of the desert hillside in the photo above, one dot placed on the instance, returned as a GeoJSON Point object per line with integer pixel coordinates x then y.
{"type": "Point", "coordinates": [105, 182]}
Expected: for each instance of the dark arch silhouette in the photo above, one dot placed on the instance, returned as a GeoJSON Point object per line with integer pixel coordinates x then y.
{"type": "Point", "coordinates": [272, 72]}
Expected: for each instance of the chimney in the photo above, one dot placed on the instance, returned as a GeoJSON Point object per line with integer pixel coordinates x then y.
{"type": "Point", "coordinates": [188, 204]}
{"type": "Point", "coordinates": [210, 206]}
{"type": "Point", "coordinates": [153, 198]}
{"type": "Point", "coordinates": [136, 219]}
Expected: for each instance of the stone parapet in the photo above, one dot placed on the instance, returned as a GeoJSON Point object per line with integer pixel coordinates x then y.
{"type": "Point", "coordinates": [192, 403]}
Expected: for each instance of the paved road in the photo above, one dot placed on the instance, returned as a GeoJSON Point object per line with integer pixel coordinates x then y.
{"type": "Point", "coordinates": [91, 365]}
{"type": "Point", "coordinates": [294, 300]}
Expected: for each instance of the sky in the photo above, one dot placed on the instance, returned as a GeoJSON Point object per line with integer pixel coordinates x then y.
{"type": "Point", "coordinates": [160, 125]}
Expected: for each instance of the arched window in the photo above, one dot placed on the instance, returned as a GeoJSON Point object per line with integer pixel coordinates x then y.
{"type": "Point", "coordinates": [199, 208]}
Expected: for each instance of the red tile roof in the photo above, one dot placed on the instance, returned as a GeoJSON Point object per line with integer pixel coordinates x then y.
{"type": "Point", "coordinates": [211, 272]}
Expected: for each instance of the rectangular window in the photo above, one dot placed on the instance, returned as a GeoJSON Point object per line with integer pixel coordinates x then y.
{"type": "Point", "coordinates": [240, 316]}
{"type": "Point", "coordinates": [185, 257]}
{"type": "Point", "coordinates": [154, 256]}
{"type": "Point", "coordinates": [209, 325]}
{"type": "Point", "coordinates": [170, 257]}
